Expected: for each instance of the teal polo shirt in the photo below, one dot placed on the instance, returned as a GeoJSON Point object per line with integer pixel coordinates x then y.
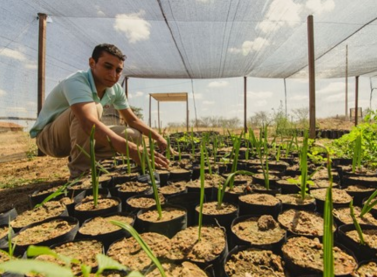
{"type": "Point", "coordinates": [77, 88]}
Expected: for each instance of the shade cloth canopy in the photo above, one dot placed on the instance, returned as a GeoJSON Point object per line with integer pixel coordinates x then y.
{"type": "Point", "coordinates": [185, 39]}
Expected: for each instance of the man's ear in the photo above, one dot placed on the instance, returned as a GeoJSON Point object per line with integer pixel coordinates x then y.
{"type": "Point", "coordinates": [92, 62]}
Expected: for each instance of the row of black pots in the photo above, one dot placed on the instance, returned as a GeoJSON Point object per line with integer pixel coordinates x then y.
{"type": "Point", "coordinates": [223, 223]}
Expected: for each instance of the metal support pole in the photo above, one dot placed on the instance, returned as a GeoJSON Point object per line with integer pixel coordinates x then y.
{"type": "Point", "coordinates": [346, 98]}
{"type": "Point", "coordinates": [150, 110]}
{"type": "Point", "coordinates": [187, 114]}
{"type": "Point", "coordinates": [285, 94]}
{"type": "Point", "coordinates": [245, 104]}
{"type": "Point", "coordinates": [41, 64]}
{"type": "Point", "coordinates": [126, 86]}
{"type": "Point", "coordinates": [311, 65]}
{"type": "Point", "coordinates": [356, 99]}
{"type": "Point", "coordinates": [158, 111]}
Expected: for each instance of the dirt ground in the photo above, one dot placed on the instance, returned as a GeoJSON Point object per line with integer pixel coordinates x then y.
{"type": "Point", "coordinates": [22, 172]}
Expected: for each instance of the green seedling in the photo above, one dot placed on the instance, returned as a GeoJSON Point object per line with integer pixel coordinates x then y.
{"type": "Point", "coordinates": [369, 204]}
{"type": "Point", "coordinates": [153, 181]}
{"type": "Point", "coordinates": [142, 243]}
{"type": "Point", "coordinates": [229, 182]}
{"type": "Point", "coordinates": [357, 153]}
{"type": "Point", "coordinates": [328, 236]}
{"type": "Point", "coordinates": [201, 191]}
{"type": "Point", "coordinates": [356, 223]}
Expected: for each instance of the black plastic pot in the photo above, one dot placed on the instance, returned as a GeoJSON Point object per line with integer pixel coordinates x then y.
{"type": "Point", "coordinates": [287, 188]}
{"type": "Point", "coordinates": [7, 216]}
{"type": "Point", "coordinates": [69, 236]}
{"type": "Point", "coordinates": [189, 201]}
{"type": "Point", "coordinates": [36, 198]}
{"type": "Point", "coordinates": [229, 197]}
{"type": "Point", "coordinates": [362, 252]}
{"type": "Point", "coordinates": [207, 191]}
{"type": "Point", "coordinates": [305, 271]}
{"type": "Point", "coordinates": [235, 240]}
{"type": "Point", "coordinates": [245, 262]}
{"type": "Point", "coordinates": [258, 209]}
{"type": "Point", "coordinates": [124, 195]}
{"type": "Point", "coordinates": [4, 239]}
{"type": "Point", "coordinates": [84, 215]}
{"type": "Point", "coordinates": [176, 176]}
{"type": "Point", "coordinates": [163, 176]}
{"type": "Point", "coordinates": [164, 227]}
{"type": "Point", "coordinates": [224, 220]}
{"type": "Point", "coordinates": [127, 207]}
{"type": "Point", "coordinates": [107, 238]}
{"type": "Point", "coordinates": [359, 195]}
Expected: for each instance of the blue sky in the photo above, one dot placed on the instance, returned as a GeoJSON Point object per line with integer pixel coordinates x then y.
{"type": "Point", "coordinates": [224, 97]}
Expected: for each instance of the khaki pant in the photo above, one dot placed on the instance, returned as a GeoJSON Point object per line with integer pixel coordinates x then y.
{"type": "Point", "coordinates": [60, 137]}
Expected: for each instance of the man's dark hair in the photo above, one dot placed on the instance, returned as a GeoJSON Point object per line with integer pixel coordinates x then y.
{"type": "Point", "coordinates": [109, 48]}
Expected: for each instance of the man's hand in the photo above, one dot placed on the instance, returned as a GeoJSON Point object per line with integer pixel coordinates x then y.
{"type": "Point", "coordinates": [159, 160]}
{"type": "Point", "coordinates": [163, 145]}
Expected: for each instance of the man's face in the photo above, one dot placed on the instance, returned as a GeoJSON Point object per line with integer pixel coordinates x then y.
{"type": "Point", "coordinates": [107, 70]}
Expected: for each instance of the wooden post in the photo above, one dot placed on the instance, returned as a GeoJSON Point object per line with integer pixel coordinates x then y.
{"type": "Point", "coordinates": [41, 64]}
{"type": "Point", "coordinates": [158, 111]}
{"type": "Point", "coordinates": [356, 99]}
{"type": "Point", "coordinates": [285, 94]}
{"type": "Point", "coordinates": [187, 114]}
{"type": "Point", "coordinates": [150, 110]}
{"type": "Point", "coordinates": [126, 86]}
{"type": "Point", "coordinates": [311, 65]}
{"type": "Point", "coordinates": [346, 100]}
{"type": "Point", "coordinates": [245, 104]}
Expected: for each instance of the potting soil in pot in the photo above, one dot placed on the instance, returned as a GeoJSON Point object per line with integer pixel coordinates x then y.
{"type": "Point", "coordinates": [87, 204]}
{"type": "Point", "coordinates": [368, 269]}
{"type": "Point", "coordinates": [254, 262]}
{"type": "Point", "coordinates": [102, 225]}
{"type": "Point", "coordinates": [186, 269]}
{"type": "Point", "coordinates": [43, 232]}
{"type": "Point", "coordinates": [305, 255]}
{"type": "Point", "coordinates": [343, 215]}
{"type": "Point", "coordinates": [259, 230]}
{"type": "Point", "coordinates": [84, 251]}
{"type": "Point", "coordinates": [185, 244]}
{"type": "Point", "coordinates": [48, 210]}
{"type": "Point", "coordinates": [304, 223]}
{"type": "Point", "coordinates": [143, 202]}
{"type": "Point", "coordinates": [128, 251]}
{"type": "Point", "coordinates": [370, 237]}
{"type": "Point", "coordinates": [173, 188]}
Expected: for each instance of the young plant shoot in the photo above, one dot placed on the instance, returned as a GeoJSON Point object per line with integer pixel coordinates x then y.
{"type": "Point", "coordinates": [201, 190]}
{"type": "Point", "coordinates": [328, 236]}
{"type": "Point", "coordinates": [153, 181]}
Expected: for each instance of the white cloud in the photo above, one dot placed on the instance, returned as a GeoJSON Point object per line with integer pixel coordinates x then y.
{"type": "Point", "coordinates": [218, 84]}
{"type": "Point", "coordinates": [3, 92]}
{"type": "Point", "coordinates": [14, 54]}
{"type": "Point", "coordinates": [133, 25]}
{"type": "Point", "coordinates": [280, 13]}
{"type": "Point", "coordinates": [250, 46]}
{"type": "Point", "coordinates": [31, 66]}
{"type": "Point", "coordinates": [319, 6]}
{"type": "Point", "coordinates": [332, 88]}
{"type": "Point", "coordinates": [298, 98]}
{"type": "Point", "coordinates": [259, 94]}
{"type": "Point", "coordinates": [208, 102]}
{"type": "Point", "coordinates": [335, 98]}
{"type": "Point", "coordinates": [139, 94]}
{"type": "Point", "coordinates": [261, 103]}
